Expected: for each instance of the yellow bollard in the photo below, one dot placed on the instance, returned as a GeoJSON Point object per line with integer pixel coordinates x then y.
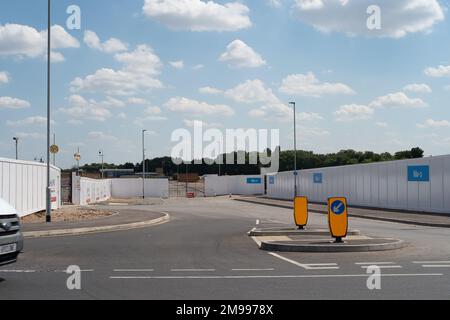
{"type": "Point", "coordinates": [301, 212]}
{"type": "Point", "coordinates": [338, 218]}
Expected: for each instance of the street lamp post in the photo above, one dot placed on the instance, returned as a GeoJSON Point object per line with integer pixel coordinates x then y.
{"type": "Point", "coordinates": [16, 139]}
{"type": "Point", "coordinates": [48, 215]}
{"type": "Point", "coordinates": [295, 148]}
{"type": "Point", "coordinates": [101, 154]}
{"type": "Point", "coordinates": [143, 163]}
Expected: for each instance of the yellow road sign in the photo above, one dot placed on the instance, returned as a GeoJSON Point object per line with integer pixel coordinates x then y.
{"type": "Point", "coordinates": [54, 149]}
{"type": "Point", "coordinates": [338, 217]}
{"type": "Point", "coordinates": [301, 211]}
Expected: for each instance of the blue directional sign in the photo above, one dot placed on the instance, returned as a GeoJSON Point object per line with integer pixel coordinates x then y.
{"type": "Point", "coordinates": [254, 180]}
{"type": "Point", "coordinates": [295, 173]}
{"type": "Point", "coordinates": [418, 173]}
{"type": "Point", "coordinates": [271, 180]}
{"type": "Point", "coordinates": [318, 178]}
{"type": "Point", "coordinates": [338, 207]}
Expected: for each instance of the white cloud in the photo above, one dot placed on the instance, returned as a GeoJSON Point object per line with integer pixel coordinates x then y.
{"type": "Point", "coordinates": [177, 64]}
{"type": "Point", "coordinates": [190, 124]}
{"type": "Point", "coordinates": [274, 3]}
{"type": "Point", "coordinates": [198, 67]}
{"type": "Point", "coordinates": [4, 77]}
{"type": "Point", "coordinates": [141, 121]}
{"type": "Point", "coordinates": [30, 121]}
{"type": "Point", "coordinates": [240, 55]}
{"type": "Point", "coordinates": [308, 85]}
{"type": "Point", "coordinates": [30, 135]}
{"type": "Point", "coordinates": [397, 100]}
{"type": "Point", "coordinates": [138, 74]}
{"type": "Point", "coordinates": [23, 41]}
{"type": "Point", "coordinates": [81, 109]}
{"type": "Point", "coordinates": [153, 110]}
{"type": "Point", "coordinates": [194, 107]}
{"type": "Point", "coordinates": [210, 90]}
{"type": "Point", "coordinates": [99, 135]}
{"type": "Point", "coordinates": [252, 91]}
{"type": "Point", "coordinates": [352, 112]}
{"type": "Point", "coordinates": [13, 103]}
{"type": "Point", "coordinates": [382, 124]}
{"type": "Point", "coordinates": [438, 72]}
{"type": "Point", "coordinates": [111, 45]}
{"type": "Point", "coordinates": [430, 123]}
{"type": "Point", "coordinates": [398, 18]}
{"type": "Point", "coordinates": [198, 15]}
{"type": "Point", "coordinates": [418, 88]}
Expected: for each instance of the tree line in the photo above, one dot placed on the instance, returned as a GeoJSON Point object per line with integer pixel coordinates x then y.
{"type": "Point", "coordinates": [305, 160]}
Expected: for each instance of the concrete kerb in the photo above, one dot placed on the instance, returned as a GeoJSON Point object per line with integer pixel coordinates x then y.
{"type": "Point", "coordinates": [387, 245]}
{"type": "Point", "coordinates": [294, 232]}
{"type": "Point", "coordinates": [101, 229]}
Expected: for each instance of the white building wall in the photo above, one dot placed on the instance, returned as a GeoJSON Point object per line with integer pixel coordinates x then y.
{"type": "Point", "coordinates": [23, 184]}
{"type": "Point", "coordinates": [132, 188]}
{"type": "Point", "coordinates": [378, 185]}
{"type": "Point", "coordinates": [237, 185]}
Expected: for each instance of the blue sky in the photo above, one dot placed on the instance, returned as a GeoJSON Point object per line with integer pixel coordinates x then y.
{"type": "Point", "coordinates": [159, 64]}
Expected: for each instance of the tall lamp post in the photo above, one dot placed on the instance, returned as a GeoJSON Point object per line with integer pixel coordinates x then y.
{"type": "Point", "coordinates": [143, 163]}
{"type": "Point", "coordinates": [101, 154]}
{"type": "Point", "coordinates": [48, 215]}
{"type": "Point", "coordinates": [16, 139]}
{"type": "Point", "coordinates": [295, 148]}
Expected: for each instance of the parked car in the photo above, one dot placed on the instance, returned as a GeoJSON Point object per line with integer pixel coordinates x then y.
{"type": "Point", "coordinates": [11, 238]}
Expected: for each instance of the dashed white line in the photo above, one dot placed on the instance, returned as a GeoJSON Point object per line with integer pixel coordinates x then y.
{"type": "Point", "coordinates": [193, 270]}
{"type": "Point", "coordinates": [436, 266]}
{"type": "Point", "coordinates": [279, 277]}
{"type": "Point", "coordinates": [267, 269]}
{"type": "Point", "coordinates": [17, 271]}
{"type": "Point", "coordinates": [431, 262]}
{"type": "Point", "coordinates": [373, 263]}
{"type": "Point", "coordinates": [134, 270]}
{"type": "Point", "coordinates": [383, 267]}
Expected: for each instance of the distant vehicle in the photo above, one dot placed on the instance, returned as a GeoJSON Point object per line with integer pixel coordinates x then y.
{"type": "Point", "coordinates": [11, 238]}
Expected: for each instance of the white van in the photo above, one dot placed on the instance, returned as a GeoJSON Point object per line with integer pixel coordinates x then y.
{"type": "Point", "coordinates": [11, 239]}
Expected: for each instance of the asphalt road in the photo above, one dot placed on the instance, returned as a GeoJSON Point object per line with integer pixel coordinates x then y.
{"type": "Point", "coordinates": [204, 253]}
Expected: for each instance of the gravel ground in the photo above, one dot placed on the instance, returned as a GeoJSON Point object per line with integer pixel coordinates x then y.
{"type": "Point", "coordinates": [69, 213]}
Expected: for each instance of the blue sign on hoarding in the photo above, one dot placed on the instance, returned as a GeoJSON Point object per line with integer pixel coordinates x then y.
{"type": "Point", "coordinates": [271, 180]}
{"type": "Point", "coordinates": [254, 180]}
{"type": "Point", "coordinates": [418, 173]}
{"type": "Point", "coordinates": [318, 178]}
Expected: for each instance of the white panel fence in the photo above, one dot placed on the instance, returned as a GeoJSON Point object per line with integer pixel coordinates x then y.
{"type": "Point", "coordinates": [238, 185]}
{"type": "Point", "coordinates": [89, 191]}
{"type": "Point", "coordinates": [418, 185]}
{"type": "Point", "coordinates": [132, 188]}
{"type": "Point", "coordinates": [23, 185]}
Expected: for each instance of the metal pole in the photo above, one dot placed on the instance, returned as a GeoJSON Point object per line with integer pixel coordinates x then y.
{"type": "Point", "coordinates": [54, 155]}
{"type": "Point", "coordinates": [143, 164]}
{"type": "Point", "coordinates": [48, 202]}
{"type": "Point", "coordinates": [187, 181]}
{"type": "Point", "coordinates": [16, 139]}
{"type": "Point", "coordinates": [295, 149]}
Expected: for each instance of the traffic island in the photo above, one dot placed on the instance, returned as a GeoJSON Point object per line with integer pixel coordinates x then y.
{"type": "Point", "coordinates": [324, 243]}
{"type": "Point", "coordinates": [268, 232]}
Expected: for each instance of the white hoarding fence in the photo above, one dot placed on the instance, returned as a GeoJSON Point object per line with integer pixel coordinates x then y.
{"type": "Point", "coordinates": [89, 191]}
{"type": "Point", "coordinates": [417, 185]}
{"type": "Point", "coordinates": [132, 188]}
{"type": "Point", "coordinates": [238, 185]}
{"type": "Point", "coordinates": [23, 184]}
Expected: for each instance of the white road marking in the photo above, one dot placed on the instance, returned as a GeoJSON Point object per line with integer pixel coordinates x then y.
{"type": "Point", "coordinates": [193, 270]}
{"type": "Point", "coordinates": [383, 267]}
{"type": "Point", "coordinates": [436, 266]}
{"type": "Point", "coordinates": [65, 271]}
{"type": "Point", "coordinates": [134, 270]}
{"type": "Point", "coordinates": [257, 222]}
{"type": "Point", "coordinates": [431, 262]}
{"type": "Point", "coordinates": [268, 269]}
{"type": "Point", "coordinates": [373, 263]}
{"type": "Point", "coordinates": [322, 266]}
{"type": "Point", "coordinates": [17, 271]}
{"type": "Point", "coordinates": [280, 276]}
